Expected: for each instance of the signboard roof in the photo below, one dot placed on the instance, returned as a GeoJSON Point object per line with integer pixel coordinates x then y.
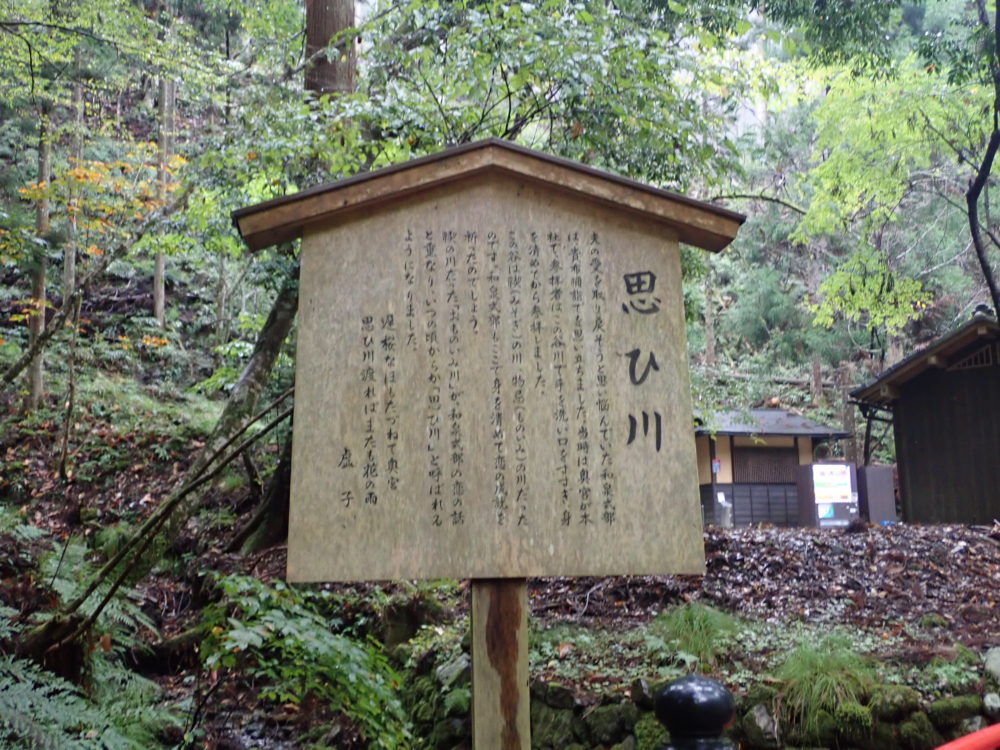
{"type": "Point", "coordinates": [283, 219]}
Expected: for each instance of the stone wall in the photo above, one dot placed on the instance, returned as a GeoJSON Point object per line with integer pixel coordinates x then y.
{"type": "Point", "coordinates": [892, 717]}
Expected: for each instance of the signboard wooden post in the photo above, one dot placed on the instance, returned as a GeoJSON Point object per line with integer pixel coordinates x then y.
{"type": "Point", "coordinates": [491, 383]}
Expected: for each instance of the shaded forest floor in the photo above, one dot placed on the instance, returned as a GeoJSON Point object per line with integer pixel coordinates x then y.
{"type": "Point", "coordinates": [918, 593]}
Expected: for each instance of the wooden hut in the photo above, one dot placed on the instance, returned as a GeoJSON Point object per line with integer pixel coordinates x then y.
{"type": "Point", "coordinates": [945, 406]}
{"type": "Point", "coordinates": [750, 460]}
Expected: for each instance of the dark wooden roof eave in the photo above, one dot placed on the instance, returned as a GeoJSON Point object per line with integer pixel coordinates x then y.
{"type": "Point", "coordinates": [827, 435]}
{"type": "Point", "coordinates": [766, 423]}
{"type": "Point", "coordinates": [885, 389]}
{"type": "Point", "coordinates": [284, 219]}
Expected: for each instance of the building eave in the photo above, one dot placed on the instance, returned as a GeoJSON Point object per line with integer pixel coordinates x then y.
{"type": "Point", "coordinates": [885, 389]}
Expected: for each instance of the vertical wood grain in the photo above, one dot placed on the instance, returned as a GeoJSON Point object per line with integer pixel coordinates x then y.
{"type": "Point", "coordinates": [500, 701]}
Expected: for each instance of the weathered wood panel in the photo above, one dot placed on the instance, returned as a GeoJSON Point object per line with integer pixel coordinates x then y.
{"type": "Point", "coordinates": [492, 382]}
{"type": "Point", "coordinates": [947, 428]}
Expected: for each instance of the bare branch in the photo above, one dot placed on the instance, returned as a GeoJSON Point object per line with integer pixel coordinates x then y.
{"type": "Point", "coordinates": [758, 197]}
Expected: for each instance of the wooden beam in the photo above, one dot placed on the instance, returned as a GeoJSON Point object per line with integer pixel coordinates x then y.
{"type": "Point", "coordinates": [500, 700]}
{"type": "Point", "coordinates": [888, 392]}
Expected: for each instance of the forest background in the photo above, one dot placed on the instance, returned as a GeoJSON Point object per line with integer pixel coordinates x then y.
{"type": "Point", "coordinates": [139, 340]}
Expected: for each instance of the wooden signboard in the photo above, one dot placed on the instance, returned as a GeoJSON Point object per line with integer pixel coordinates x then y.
{"type": "Point", "coordinates": [491, 376]}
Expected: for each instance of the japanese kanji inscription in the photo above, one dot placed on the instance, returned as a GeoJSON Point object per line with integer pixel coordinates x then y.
{"type": "Point", "coordinates": [491, 376]}
{"type": "Point", "coordinates": [492, 382]}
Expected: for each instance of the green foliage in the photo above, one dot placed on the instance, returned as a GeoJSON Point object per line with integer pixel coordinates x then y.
{"type": "Point", "coordinates": [111, 537]}
{"type": "Point", "coordinates": [12, 521]}
{"type": "Point", "coordinates": [877, 140]}
{"type": "Point", "coordinates": [580, 79]}
{"type": "Point", "coordinates": [649, 733]}
{"type": "Point", "coordinates": [853, 718]}
{"type": "Point", "coordinates": [68, 569]}
{"type": "Point", "coordinates": [820, 675]}
{"type": "Point", "coordinates": [863, 288]}
{"type": "Point", "coordinates": [957, 675]}
{"type": "Point", "coordinates": [277, 635]}
{"type": "Point", "coordinates": [458, 701]}
{"type": "Point", "coordinates": [39, 710]}
{"type": "Point", "coordinates": [134, 702]}
{"type": "Point", "coordinates": [845, 32]}
{"type": "Point", "coordinates": [696, 629]}
{"type": "Point", "coordinates": [575, 653]}
{"type": "Point", "coordinates": [444, 641]}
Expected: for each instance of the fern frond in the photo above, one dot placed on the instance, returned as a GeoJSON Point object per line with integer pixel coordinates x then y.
{"type": "Point", "coordinates": [40, 710]}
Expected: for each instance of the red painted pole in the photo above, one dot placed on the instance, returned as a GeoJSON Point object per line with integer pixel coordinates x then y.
{"type": "Point", "coordinates": [984, 739]}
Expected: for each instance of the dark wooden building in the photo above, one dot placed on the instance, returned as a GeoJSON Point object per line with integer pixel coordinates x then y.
{"type": "Point", "coordinates": [945, 406]}
{"type": "Point", "coordinates": [750, 461]}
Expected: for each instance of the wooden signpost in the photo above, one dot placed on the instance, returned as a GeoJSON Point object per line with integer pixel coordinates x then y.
{"type": "Point", "coordinates": [491, 383]}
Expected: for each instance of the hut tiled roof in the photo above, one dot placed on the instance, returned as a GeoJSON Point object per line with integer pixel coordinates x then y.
{"type": "Point", "coordinates": [766, 422]}
{"type": "Point", "coordinates": [885, 389]}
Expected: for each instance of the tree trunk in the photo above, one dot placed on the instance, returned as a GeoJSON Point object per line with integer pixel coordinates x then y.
{"type": "Point", "coordinates": [243, 399]}
{"type": "Point", "coordinates": [221, 296]}
{"type": "Point", "coordinates": [167, 93]}
{"type": "Point", "coordinates": [849, 416]}
{"type": "Point", "coordinates": [816, 383]}
{"type": "Point", "coordinates": [978, 183]}
{"type": "Point", "coordinates": [332, 71]}
{"type": "Point", "coordinates": [269, 524]}
{"type": "Point", "coordinates": [325, 74]}
{"type": "Point", "coordinates": [36, 319]}
{"type": "Point", "coordinates": [710, 358]}
{"type": "Point", "coordinates": [72, 230]}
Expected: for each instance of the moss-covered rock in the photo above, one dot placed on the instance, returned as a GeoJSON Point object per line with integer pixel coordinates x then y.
{"type": "Point", "coordinates": [991, 663]}
{"type": "Point", "coordinates": [991, 705]}
{"type": "Point", "coordinates": [968, 726]}
{"type": "Point", "coordinates": [611, 723]}
{"type": "Point", "coordinates": [448, 733]}
{"type": "Point", "coordinates": [947, 713]}
{"type": "Point", "coordinates": [553, 694]}
{"type": "Point", "coordinates": [759, 694]}
{"type": "Point", "coordinates": [821, 731]}
{"type": "Point", "coordinates": [854, 722]}
{"type": "Point", "coordinates": [626, 744]}
{"type": "Point", "coordinates": [457, 671]}
{"type": "Point", "coordinates": [424, 700]}
{"type": "Point", "coordinates": [403, 616]}
{"type": "Point", "coordinates": [759, 728]}
{"type": "Point", "coordinates": [894, 702]}
{"type": "Point", "coordinates": [918, 733]}
{"type": "Point", "coordinates": [642, 694]}
{"type": "Point", "coordinates": [883, 736]}
{"type": "Point", "coordinates": [649, 733]}
{"type": "Point", "coordinates": [933, 620]}
{"type": "Point", "coordinates": [552, 728]}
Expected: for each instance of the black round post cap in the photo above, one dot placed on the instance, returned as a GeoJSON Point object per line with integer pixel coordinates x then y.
{"type": "Point", "coordinates": [695, 710]}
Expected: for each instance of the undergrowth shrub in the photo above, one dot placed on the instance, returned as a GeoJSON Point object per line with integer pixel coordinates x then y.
{"type": "Point", "coordinates": [820, 675]}
{"type": "Point", "coordinates": [117, 708]}
{"type": "Point", "coordinates": [39, 711]}
{"type": "Point", "coordinates": [281, 638]}
{"type": "Point", "coordinates": [697, 630]}
{"type": "Point", "coordinates": [68, 569]}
